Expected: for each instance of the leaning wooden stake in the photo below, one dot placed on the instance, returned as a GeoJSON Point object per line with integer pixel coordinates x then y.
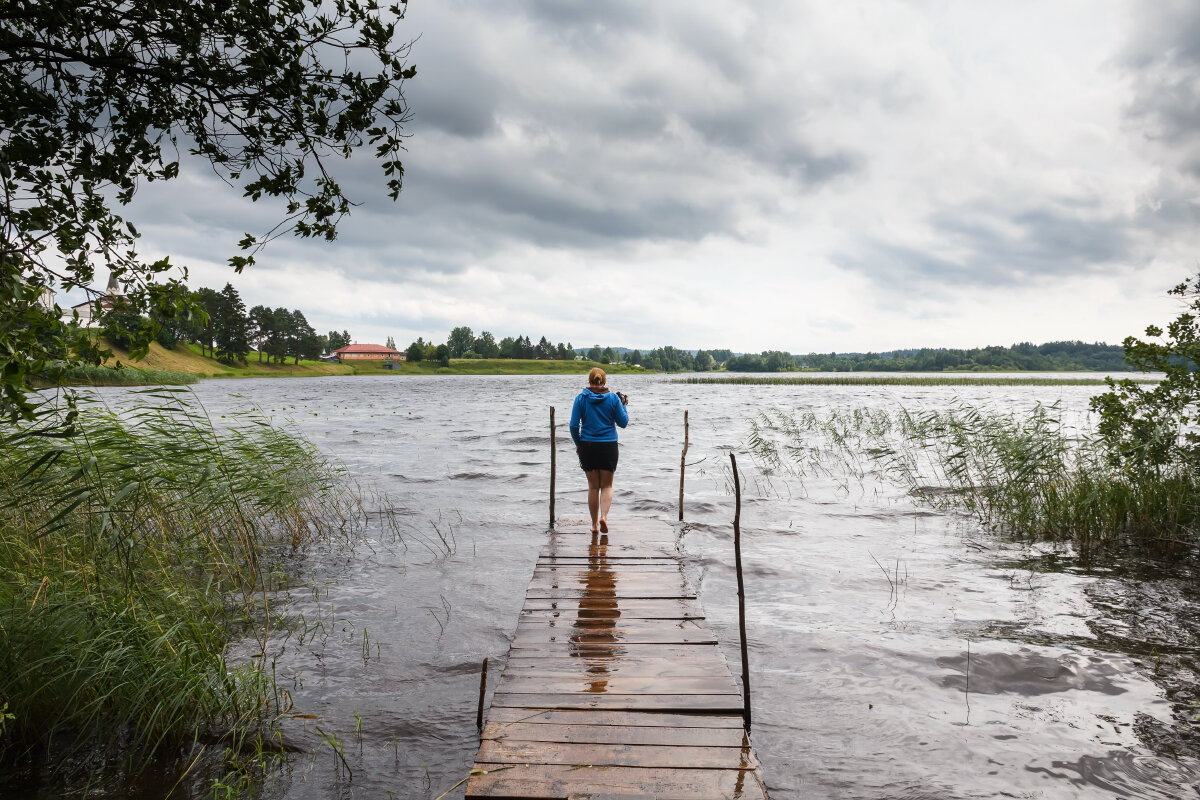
{"type": "Point", "coordinates": [482, 692]}
{"type": "Point", "coordinates": [683, 462]}
{"type": "Point", "coordinates": [737, 558]}
{"type": "Point", "coordinates": [553, 463]}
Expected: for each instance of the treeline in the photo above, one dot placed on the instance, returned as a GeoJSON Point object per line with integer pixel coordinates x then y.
{"type": "Point", "coordinates": [1023, 357]}
{"type": "Point", "coordinates": [228, 331]}
{"type": "Point", "coordinates": [463, 343]}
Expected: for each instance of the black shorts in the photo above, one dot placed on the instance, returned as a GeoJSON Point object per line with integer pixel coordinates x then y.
{"type": "Point", "coordinates": [598, 455]}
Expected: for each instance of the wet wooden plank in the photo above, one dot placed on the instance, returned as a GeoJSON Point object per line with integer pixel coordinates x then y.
{"type": "Point", "coordinates": [561, 782]}
{"type": "Point", "coordinates": [532, 635]}
{"type": "Point", "coordinates": [692, 703]}
{"type": "Point", "coordinates": [612, 718]}
{"type": "Point", "coordinates": [643, 668]}
{"type": "Point", "coordinates": [616, 734]}
{"type": "Point", "coordinates": [612, 651]}
{"type": "Point", "coordinates": [697, 684]}
{"type": "Point", "coordinates": [632, 609]}
{"type": "Point", "coordinates": [508, 751]}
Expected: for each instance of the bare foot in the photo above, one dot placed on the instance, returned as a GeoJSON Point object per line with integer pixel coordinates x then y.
{"type": "Point", "coordinates": [604, 526]}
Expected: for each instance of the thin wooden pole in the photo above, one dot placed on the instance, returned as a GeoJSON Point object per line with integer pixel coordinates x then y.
{"type": "Point", "coordinates": [683, 462]}
{"type": "Point", "coordinates": [741, 586]}
{"type": "Point", "coordinates": [553, 463]}
{"type": "Point", "coordinates": [482, 692]}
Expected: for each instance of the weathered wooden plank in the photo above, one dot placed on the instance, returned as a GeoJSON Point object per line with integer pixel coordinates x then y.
{"type": "Point", "coordinates": [641, 668]}
{"type": "Point", "coordinates": [634, 603]}
{"type": "Point", "coordinates": [613, 718]}
{"type": "Point", "coordinates": [560, 782]}
{"type": "Point", "coordinates": [634, 609]}
{"type": "Point", "coordinates": [616, 734]}
{"type": "Point", "coordinates": [532, 635]}
{"type": "Point", "coordinates": [720, 684]}
{"type": "Point", "coordinates": [608, 651]}
{"type": "Point", "coordinates": [622, 592]}
{"type": "Point", "coordinates": [508, 751]}
{"type": "Point", "coordinates": [609, 623]}
{"type": "Point", "coordinates": [691, 703]}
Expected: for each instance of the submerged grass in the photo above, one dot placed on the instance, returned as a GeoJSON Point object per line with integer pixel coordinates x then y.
{"type": "Point", "coordinates": [901, 380]}
{"type": "Point", "coordinates": [1027, 473]}
{"type": "Point", "coordinates": [136, 545]}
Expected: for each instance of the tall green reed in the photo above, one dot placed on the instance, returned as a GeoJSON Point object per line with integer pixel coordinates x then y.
{"type": "Point", "coordinates": [137, 544]}
{"type": "Point", "coordinates": [1028, 473]}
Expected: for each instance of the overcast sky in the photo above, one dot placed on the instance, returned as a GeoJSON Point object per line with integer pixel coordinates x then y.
{"type": "Point", "coordinates": [807, 176]}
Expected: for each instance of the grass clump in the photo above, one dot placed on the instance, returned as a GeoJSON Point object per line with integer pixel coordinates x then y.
{"type": "Point", "coordinates": [1028, 473]}
{"type": "Point", "coordinates": [136, 545]}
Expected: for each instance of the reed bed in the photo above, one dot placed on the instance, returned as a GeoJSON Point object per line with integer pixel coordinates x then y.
{"type": "Point", "coordinates": [1028, 473]}
{"type": "Point", "coordinates": [901, 380]}
{"type": "Point", "coordinates": [136, 544]}
{"type": "Point", "coordinates": [94, 375]}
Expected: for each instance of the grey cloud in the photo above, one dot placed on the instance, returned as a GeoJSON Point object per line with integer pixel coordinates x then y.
{"type": "Point", "coordinates": [1163, 58]}
{"type": "Point", "coordinates": [993, 248]}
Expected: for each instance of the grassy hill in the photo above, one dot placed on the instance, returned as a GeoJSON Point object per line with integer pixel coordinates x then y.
{"type": "Point", "coordinates": [187, 358]}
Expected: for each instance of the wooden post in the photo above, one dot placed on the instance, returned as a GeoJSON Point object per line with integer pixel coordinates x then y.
{"type": "Point", "coordinates": [741, 588]}
{"type": "Point", "coordinates": [683, 462]}
{"type": "Point", "coordinates": [482, 692]}
{"type": "Point", "coordinates": [553, 463]}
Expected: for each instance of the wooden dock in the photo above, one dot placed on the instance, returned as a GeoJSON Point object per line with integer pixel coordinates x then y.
{"type": "Point", "coordinates": [614, 687]}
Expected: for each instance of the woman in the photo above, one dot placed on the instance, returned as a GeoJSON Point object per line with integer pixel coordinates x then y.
{"type": "Point", "coordinates": [594, 418]}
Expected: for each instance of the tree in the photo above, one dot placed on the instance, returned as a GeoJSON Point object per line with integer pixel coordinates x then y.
{"type": "Point", "coordinates": [486, 345]}
{"type": "Point", "coordinates": [260, 327]}
{"type": "Point", "coordinates": [415, 352]}
{"type": "Point", "coordinates": [208, 301]}
{"type": "Point", "coordinates": [391, 343]}
{"type": "Point", "coordinates": [460, 341]}
{"type": "Point", "coordinates": [98, 98]}
{"type": "Point", "coordinates": [442, 353]}
{"type": "Point", "coordinates": [635, 357]}
{"type": "Point", "coordinates": [1154, 428]}
{"type": "Point", "coordinates": [507, 347]}
{"type": "Point", "coordinates": [703, 362]}
{"type": "Point", "coordinates": [608, 356]}
{"type": "Point", "coordinates": [302, 340]}
{"type": "Point", "coordinates": [231, 333]}
{"type": "Point", "coordinates": [336, 342]}
{"type": "Point", "coordinates": [281, 334]}
{"type": "Point", "coordinates": [595, 354]}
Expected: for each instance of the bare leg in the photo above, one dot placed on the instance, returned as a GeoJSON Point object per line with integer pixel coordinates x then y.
{"type": "Point", "coordinates": [594, 496]}
{"type": "Point", "coordinates": [605, 483]}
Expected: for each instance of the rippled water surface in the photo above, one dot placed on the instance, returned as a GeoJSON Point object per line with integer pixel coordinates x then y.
{"type": "Point", "coordinates": [895, 652]}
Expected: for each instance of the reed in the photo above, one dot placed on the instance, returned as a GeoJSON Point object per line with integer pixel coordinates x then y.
{"type": "Point", "coordinates": [900, 380]}
{"type": "Point", "coordinates": [1027, 473]}
{"type": "Point", "coordinates": [136, 544]}
{"type": "Point", "coordinates": [94, 375]}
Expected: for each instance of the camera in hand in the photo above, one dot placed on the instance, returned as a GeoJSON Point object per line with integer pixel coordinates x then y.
{"type": "Point", "coordinates": [624, 398]}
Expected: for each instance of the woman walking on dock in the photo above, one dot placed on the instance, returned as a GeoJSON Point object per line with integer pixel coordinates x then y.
{"type": "Point", "coordinates": [594, 420]}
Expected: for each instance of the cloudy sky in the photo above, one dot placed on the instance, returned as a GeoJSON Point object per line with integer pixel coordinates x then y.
{"type": "Point", "coordinates": [808, 176]}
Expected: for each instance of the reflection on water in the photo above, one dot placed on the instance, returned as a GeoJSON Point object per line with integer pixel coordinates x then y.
{"type": "Point", "coordinates": [1082, 684]}
{"type": "Point", "coordinates": [595, 637]}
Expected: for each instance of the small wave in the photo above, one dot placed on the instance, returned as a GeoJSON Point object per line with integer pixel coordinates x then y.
{"type": "Point", "coordinates": [472, 476]}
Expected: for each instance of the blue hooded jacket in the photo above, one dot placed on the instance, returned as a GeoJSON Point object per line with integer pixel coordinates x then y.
{"type": "Point", "coordinates": [595, 415]}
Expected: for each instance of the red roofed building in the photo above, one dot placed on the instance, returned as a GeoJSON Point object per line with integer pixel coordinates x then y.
{"type": "Point", "coordinates": [367, 352]}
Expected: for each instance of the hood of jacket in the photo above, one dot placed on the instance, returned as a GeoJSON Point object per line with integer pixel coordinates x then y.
{"type": "Point", "coordinates": [595, 395]}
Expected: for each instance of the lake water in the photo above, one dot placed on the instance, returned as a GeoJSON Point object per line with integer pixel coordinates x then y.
{"type": "Point", "coordinates": [982, 668]}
